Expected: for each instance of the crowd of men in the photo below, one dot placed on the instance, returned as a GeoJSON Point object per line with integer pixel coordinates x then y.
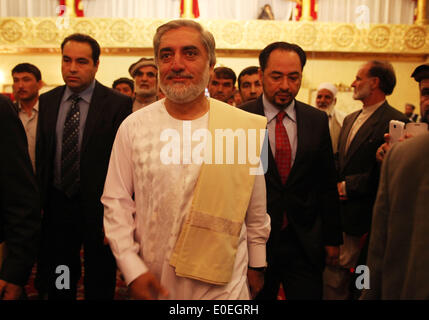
{"type": "Point", "coordinates": [131, 176]}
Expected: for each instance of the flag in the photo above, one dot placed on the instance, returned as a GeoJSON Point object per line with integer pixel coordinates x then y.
{"type": "Point", "coordinates": [313, 10]}
{"type": "Point", "coordinates": [195, 9]}
{"type": "Point", "coordinates": [74, 8]}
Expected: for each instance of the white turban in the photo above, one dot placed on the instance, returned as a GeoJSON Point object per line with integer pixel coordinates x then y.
{"type": "Point", "coordinates": [328, 86]}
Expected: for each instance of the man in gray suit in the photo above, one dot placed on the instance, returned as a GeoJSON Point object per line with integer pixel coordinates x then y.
{"type": "Point", "coordinates": [398, 256]}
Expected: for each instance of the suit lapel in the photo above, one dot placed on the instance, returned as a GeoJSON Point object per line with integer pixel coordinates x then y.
{"type": "Point", "coordinates": [53, 107]}
{"type": "Point", "coordinates": [94, 113]}
{"type": "Point", "coordinates": [343, 137]}
{"type": "Point", "coordinates": [364, 132]}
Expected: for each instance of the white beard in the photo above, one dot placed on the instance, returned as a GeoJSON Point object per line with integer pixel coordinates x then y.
{"type": "Point", "coordinates": [181, 93]}
{"type": "Point", "coordinates": [362, 93]}
{"type": "Point", "coordinates": [146, 92]}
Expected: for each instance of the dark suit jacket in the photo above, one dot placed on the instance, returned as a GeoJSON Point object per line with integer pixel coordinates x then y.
{"type": "Point", "coordinates": [310, 195]}
{"type": "Point", "coordinates": [107, 110]}
{"type": "Point", "coordinates": [19, 198]}
{"type": "Point", "coordinates": [359, 167]}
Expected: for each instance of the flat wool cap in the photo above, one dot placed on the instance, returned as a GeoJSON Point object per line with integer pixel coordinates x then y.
{"type": "Point", "coordinates": [421, 72]}
{"type": "Point", "coordinates": [141, 63]}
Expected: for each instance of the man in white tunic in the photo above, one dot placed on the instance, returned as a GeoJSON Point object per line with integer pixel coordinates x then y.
{"type": "Point", "coordinates": [179, 227]}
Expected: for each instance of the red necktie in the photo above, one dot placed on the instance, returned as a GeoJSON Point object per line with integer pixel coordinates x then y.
{"type": "Point", "coordinates": [283, 153]}
{"type": "Point", "coordinates": [283, 150]}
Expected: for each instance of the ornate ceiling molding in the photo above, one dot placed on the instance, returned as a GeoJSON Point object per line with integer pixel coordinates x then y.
{"type": "Point", "coordinates": [122, 36]}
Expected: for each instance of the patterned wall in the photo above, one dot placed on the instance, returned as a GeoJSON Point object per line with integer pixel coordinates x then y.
{"type": "Point", "coordinates": [17, 34]}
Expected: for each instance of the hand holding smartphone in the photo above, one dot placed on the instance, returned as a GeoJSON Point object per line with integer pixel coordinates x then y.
{"type": "Point", "coordinates": [396, 131]}
{"type": "Point", "coordinates": [416, 128]}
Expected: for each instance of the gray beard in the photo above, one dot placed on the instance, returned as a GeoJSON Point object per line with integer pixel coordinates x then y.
{"type": "Point", "coordinates": [145, 93]}
{"type": "Point", "coordinates": [180, 93]}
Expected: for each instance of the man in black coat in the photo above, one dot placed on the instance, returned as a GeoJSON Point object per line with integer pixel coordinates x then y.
{"type": "Point", "coordinates": [77, 127]}
{"type": "Point", "coordinates": [19, 204]}
{"type": "Point", "coordinates": [302, 198]}
{"type": "Point", "coordinates": [362, 133]}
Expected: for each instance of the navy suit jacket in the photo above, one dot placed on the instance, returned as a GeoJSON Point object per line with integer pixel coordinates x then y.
{"type": "Point", "coordinates": [19, 198]}
{"type": "Point", "coordinates": [107, 110]}
{"type": "Point", "coordinates": [310, 196]}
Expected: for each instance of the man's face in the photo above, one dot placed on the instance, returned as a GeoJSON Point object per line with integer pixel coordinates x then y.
{"type": "Point", "coordinates": [25, 86]}
{"type": "Point", "coordinates": [363, 84]}
{"type": "Point", "coordinates": [424, 97]}
{"type": "Point", "coordinates": [146, 81]}
{"type": "Point", "coordinates": [183, 65]}
{"type": "Point", "coordinates": [78, 68]}
{"type": "Point", "coordinates": [282, 77]}
{"type": "Point", "coordinates": [324, 99]}
{"type": "Point", "coordinates": [221, 89]}
{"type": "Point", "coordinates": [124, 89]}
{"type": "Point", "coordinates": [408, 110]}
{"type": "Point", "coordinates": [251, 87]}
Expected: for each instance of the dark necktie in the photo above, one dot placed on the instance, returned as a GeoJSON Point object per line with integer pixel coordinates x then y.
{"type": "Point", "coordinates": [70, 167]}
{"type": "Point", "coordinates": [283, 154]}
{"type": "Point", "coordinates": [283, 150]}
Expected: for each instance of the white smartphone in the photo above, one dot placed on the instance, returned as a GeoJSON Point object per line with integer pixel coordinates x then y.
{"type": "Point", "coordinates": [416, 128]}
{"type": "Point", "coordinates": [396, 131]}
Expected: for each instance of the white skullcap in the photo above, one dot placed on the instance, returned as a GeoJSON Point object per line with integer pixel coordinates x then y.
{"type": "Point", "coordinates": [328, 86]}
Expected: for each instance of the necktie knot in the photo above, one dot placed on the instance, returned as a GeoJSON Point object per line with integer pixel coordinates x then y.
{"type": "Point", "coordinates": [281, 115]}
{"type": "Point", "coordinates": [74, 98]}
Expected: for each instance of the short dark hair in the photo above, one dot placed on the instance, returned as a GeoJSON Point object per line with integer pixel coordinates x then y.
{"type": "Point", "coordinates": [127, 81]}
{"type": "Point", "coordinates": [285, 46]}
{"type": "Point", "coordinates": [28, 67]}
{"type": "Point", "coordinates": [383, 70]}
{"type": "Point", "coordinates": [79, 37]}
{"type": "Point", "coordinates": [247, 72]}
{"type": "Point", "coordinates": [225, 73]}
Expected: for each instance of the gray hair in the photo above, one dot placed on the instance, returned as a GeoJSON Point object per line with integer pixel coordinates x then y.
{"type": "Point", "coordinates": [207, 38]}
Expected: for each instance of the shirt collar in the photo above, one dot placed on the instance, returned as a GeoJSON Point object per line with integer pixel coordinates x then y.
{"type": "Point", "coordinates": [35, 107]}
{"type": "Point", "coordinates": [371, 109]}
{"type": "Point", "coordinates": [271, 111]}
{"type": "Point", "coordinates": [85, 94]}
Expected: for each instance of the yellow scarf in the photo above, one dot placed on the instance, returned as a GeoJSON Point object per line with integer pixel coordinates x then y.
{"type": "Point", "coordinates": [208, 241]}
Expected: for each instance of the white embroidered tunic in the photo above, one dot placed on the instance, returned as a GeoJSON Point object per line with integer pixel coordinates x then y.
{"type": "Point", "coordinates": [147, 195]}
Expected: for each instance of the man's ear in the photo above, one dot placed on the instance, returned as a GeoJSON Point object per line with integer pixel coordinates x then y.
{"type": "Point", "coordinates": [375, 83]}
{"type": "Point", "coordinates": [260, 73]}
{"type": "Point", "coordinates": [97, 64]}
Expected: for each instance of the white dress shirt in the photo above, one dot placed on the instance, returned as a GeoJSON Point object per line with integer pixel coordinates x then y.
{"type": "Point", "coordinates": [30, 126]}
